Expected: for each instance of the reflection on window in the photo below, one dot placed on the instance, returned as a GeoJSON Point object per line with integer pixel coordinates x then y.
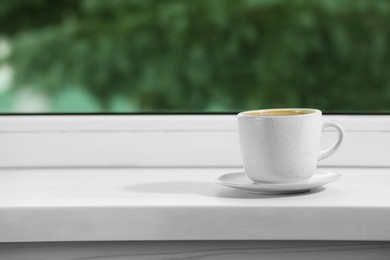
{"type": "Point", "coordinates": [193, 55]}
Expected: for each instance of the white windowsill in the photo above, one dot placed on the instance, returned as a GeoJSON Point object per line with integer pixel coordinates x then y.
{"type": "Point", "coordinates": [185, 204]}
{"type": "Point", "coordinates": [102, 178]}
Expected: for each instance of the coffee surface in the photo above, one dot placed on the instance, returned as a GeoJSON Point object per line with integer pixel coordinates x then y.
{"type": "Point", "coordinates": [278, 112]}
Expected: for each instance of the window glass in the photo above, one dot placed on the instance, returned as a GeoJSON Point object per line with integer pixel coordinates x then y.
{"type": "Point", "coordinates": [82, 56]}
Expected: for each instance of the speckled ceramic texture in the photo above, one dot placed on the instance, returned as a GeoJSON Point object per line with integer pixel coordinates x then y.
{"type": "Point", "coordinates": [282, 149]}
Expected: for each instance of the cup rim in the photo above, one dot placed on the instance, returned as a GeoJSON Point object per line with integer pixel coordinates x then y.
{"type": "Point", "coordinates": [311, 111]}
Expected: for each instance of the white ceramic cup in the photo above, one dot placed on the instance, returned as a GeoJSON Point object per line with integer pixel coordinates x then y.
{"type": "Point", "coordinates": [283, 145]}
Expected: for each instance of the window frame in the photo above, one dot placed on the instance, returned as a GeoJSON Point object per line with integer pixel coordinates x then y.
{"type": "Point", "coordinates": [180, 140]}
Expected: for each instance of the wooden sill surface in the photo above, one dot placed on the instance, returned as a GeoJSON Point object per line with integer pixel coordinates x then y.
{"type": "Point", "coordinates": [47, 205]}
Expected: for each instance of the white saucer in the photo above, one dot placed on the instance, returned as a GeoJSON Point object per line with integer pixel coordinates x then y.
{"type": "Point", "coordinates": [239, 180]}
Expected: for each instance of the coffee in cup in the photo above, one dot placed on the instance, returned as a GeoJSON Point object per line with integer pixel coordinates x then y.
{"type": "Point", "coordinates": [283, 145]}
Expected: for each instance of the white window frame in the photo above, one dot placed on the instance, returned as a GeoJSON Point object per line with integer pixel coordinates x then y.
{"type": "Point", "coordinates": [165, 141]}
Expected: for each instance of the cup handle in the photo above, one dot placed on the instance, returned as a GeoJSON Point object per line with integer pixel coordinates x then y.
{"type": "Point", "coordinates": [326, 153]}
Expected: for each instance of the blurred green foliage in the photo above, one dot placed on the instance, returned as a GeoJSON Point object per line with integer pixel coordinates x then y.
{"type": "Point", "coordinates": [201, 55]}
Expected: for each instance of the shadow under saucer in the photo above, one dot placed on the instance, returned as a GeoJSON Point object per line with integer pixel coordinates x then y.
{"type": "Point", "coordinates": [208, 189]}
